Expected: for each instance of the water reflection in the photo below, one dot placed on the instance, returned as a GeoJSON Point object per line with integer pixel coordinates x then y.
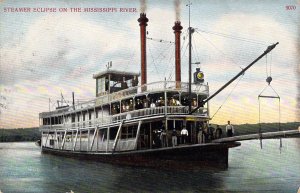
{"type": "Point", "coordinates": [24, 169]}
{"type": "Point", "coordinates": [83, 176]}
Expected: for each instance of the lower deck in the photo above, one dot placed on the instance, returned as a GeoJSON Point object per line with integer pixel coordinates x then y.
{"type": "Point", "coordinates": [141, 142]}
{"type": "Point", "coordinates": [154, 133]}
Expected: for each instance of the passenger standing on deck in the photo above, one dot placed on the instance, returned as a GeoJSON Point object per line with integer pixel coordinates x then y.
{"type": "Point", "coordinates": [205, 133]}
{"type": "Point", "coordinates": [184, 133]}
{"type": "Point", "coordinates": [156, 140]}
{"type": "Point", "coordinates": [163, 135]}
{"type": "Point", "coordinates": [200, 133]}
{"type": "Point", "coordinates": [229, 130]}
{"type": "Point", "coordinates": [210, 132]}
{"type": "Point", "coordinates": [174, 138]}
{"type": "Point", "coordinates": [135, 81]}
{"type": "Point", "coordinates": [152, 105]}
{"type": "Point", "coordinates": [163, 138]}
{"type": "Point", "coordinates": [218, 132]}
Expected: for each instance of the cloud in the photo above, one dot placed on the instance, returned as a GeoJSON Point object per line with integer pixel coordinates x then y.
{"type": "Point", "coordinates": [222, 58]}
{"type": "Point", "coordinates": [55, 45]}
{"type": "Point", "coordinates": [58, 53]}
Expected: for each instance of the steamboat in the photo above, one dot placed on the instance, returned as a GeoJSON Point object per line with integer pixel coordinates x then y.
{"type": "Point", "coordinates": [139, 124]}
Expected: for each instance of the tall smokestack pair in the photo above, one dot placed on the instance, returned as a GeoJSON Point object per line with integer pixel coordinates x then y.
{"type": "Point", "coordinates": [177, 30]}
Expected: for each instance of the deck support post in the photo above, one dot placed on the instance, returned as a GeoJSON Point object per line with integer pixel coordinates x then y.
{"type": "Point", "coordinates": [166, 131]}
{"type": "Point", "coordinates": [101, 115]}
{"type": "Point", "coordinates": [150, 136]}
{"type": "Point", "coordinates": [88, 143]}
{"type": "Point", "coordinates": [117, 137]}
{"type": "Point", "coordinates": [97, 142]}
{"type": "Point", "coordinates": [137, 135]}
{"type": "Point", "coordinates": [208, 112]}
{"type": "Point", "coordinates": [72, 137]}
{"type": "Point", "coordinates": [47, 138]}
{"type": "Point", "coordinates": [80, 140]}
{"type": "Point", "coordinates": [56, 139]}
{"type": "Point", "coordinates": [74, 145]}
{"type": "Point", "coordinates": [166, 98]}
{"type": "Point", "coordinates": [107, 137]}
{"type": "Point", "coordinates": [64, 139]}
{"type": "Point", "coordinates": [93, 140]}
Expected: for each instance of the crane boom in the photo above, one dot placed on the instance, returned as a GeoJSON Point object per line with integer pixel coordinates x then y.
{"type": "Point", "coordinates": [269, 49]}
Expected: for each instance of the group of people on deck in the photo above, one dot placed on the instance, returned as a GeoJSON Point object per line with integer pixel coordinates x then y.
{"type": "Point", "coordinates": [142, 103]}
{"type": "Point", "coordinates": [161, 140]}
{"type": "Point", "coordinates": [207, 133]}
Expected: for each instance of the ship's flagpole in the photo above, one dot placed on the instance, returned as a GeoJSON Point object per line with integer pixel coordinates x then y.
{"type": "Point", "coordinates": [190, 59]}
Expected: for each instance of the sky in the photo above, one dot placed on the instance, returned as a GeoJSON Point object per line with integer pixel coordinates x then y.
{"type": "Point", "coordinates": [44, 54]}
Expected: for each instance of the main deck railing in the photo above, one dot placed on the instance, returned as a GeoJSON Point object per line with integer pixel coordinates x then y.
{"type": "Point", "coordinates": [136, 114]}
{"type": "Point", "coordinates": [160, 86]}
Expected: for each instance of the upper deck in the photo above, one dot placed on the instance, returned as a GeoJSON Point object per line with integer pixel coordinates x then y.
{"type": "Point", "coordinates": [168, 87]}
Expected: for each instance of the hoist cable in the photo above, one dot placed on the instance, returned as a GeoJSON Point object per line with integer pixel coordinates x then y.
{"type": "Point", "coordinates": [161, 40]}
{"type": "Point", "coordinates": [259, 112]}
{"type": "Point", "coordinates": [232, 37]}
{"type": "Point", "coordinates": [271, 64]}
{"type": "Point", "coordinates": [269, 85]}
{"type": "Point", "coordinates": [267, 65]}
{"type": "Point", "coordinates": [219, 50]}
{"type": "Point", "coordinates": [153, 60]}
{"type": "Point", "coordinates": [227, 97]}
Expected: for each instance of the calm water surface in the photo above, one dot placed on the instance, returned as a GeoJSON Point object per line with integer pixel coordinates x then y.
{"type": "Point", "coordinates": [24, 169]}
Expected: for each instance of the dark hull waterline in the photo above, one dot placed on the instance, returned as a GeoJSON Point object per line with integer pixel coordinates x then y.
{"type": "Point", "coordinates": [180, 157]}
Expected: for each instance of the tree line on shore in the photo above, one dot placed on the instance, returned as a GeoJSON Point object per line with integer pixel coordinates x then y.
{"type": "Point", "coordinates": [33, 134]}
{"type": "Point", "coordinates": [20, 134]}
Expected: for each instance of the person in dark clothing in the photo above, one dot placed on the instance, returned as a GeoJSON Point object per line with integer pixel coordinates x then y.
{"type": "Point", "coordinates": [229, 130]}
{"type": "Point", "coordinates": [156, 139]}
{"type": "Point", "coordinates": [124, 85]}
{"type": "Point", "coordinates": [205, 133]}
{"type": "Point", "coordinates": [200, 134]}
{"type": "Point", "coordinates": [106, 84]}
{"type": "Point", "coordinates": [210, 132]}
{"type": "Point", "coordinates": [218, 132]}
{"type": "Point", "coordinates": [184, 134]}
{"type": "Point", "coordinates": [139, 104]}
{"type": "Point", "coordinates": [174, 138]}
{"type": "Point", "coordinates": [135, 81]}
{"type": "Point", "coordinates": [163, 138]}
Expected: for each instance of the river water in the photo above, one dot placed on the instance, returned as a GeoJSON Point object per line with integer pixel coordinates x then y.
{"type": "Point", "coordinates": [24, 169]}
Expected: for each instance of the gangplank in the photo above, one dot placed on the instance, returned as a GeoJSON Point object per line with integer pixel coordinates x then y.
{"type": "Point", "coordinates": [266, 135]}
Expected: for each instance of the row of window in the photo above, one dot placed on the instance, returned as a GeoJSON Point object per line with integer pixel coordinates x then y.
{"type": "Point", "coordinates": [130, 104]}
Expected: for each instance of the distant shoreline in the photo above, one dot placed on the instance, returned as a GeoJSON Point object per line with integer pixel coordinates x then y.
{"type": "Point", "coordinates": [33, 134]}
{"type": "Point", "coordinates": [20, 134]}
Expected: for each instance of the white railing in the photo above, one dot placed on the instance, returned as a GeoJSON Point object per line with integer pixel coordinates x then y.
{"type": "Point", "coordinates": [147, 88]}
{"type": "Point", "coordinates": [146, 112]}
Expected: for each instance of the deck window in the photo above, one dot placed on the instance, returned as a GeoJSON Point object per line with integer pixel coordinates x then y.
{"type": "Point", "coordinates": [101, 85]}
{"type": "Point", "coordinates": [73, 118]}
